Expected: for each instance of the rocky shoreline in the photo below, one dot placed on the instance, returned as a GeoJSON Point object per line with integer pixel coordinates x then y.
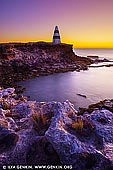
{"type": "Point", "coordinates": [50, 133]}
{"type": "Point", "coordinates": [54, 133]}
{"type": "Point", "coordinates": [20, 61]}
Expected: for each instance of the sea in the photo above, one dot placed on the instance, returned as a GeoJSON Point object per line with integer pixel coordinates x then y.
{"type": "Point", "coordinates": [95, 83]}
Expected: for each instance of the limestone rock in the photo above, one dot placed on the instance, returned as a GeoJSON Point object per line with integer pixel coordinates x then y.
{"type": "Point", "coordinates": [71, 150]}
{"type": "Point", "coordinates": [54, 133]}
{"type": "Point", "coordinates": [42, 152]}
{"type": "Point", "coordinates": [103, 120]}
{"type": "Point", "coordinates": [6, 92]}
{"type": "Point", "coordinates": [7, 139]}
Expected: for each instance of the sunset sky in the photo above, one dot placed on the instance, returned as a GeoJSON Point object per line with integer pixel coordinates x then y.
{"type": "Point", "coordinates": [84, 23]}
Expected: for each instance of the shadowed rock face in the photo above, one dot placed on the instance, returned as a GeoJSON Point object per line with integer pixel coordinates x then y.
{"type": "Point", "coordinates": [7, 139]}
{"type": "Point", "coordinates": [21, 61]}
{"type": "Point", "coordinates": [53, 133]}
{"type": "Point", "coordinates": [42, 152]}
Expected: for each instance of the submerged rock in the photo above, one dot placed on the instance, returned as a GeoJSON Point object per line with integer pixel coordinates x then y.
{"type": "Point", "coordinates": [82, 95]}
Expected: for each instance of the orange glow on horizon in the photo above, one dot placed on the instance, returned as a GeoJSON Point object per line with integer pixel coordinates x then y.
{"type": "Point", "coordinates": [83, 23]}
{"type": "Point", "coordinates": [75, 44]}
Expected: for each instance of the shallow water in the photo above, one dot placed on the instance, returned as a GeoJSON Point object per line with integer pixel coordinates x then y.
{"type": "Point", "coordinates": [101, 52]}
{"type": "Point", "coordinates": [96, 83]}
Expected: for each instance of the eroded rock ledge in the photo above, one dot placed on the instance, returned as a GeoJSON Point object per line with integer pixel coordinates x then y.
{"type": "Point", "coordinates": [52, 133]}
{"type": "Point", "coordinates": [19, 61]}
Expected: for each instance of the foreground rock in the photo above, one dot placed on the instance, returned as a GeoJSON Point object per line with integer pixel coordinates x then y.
{"type": "Point", "coordinates": [20, 61]}
{"type": "Point", "coordinates": [53, 133]}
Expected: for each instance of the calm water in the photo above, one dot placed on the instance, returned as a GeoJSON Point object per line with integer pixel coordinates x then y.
{"type": "Point", "coordinates": [96, 84]}
{"type": "Point", "coordinates": [101, 52]}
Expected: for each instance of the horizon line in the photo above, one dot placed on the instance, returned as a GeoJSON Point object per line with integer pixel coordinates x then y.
{"type": "Point", "coordinates": [74, 46]}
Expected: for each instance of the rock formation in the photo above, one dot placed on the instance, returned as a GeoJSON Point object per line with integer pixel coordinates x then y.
{"type": "Point", "coordinates": [19, 61]}
{"type": "Point", "coordinates": [53, 133]}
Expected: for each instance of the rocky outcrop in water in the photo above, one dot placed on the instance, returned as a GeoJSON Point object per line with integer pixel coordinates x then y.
{"type": "Point", "coordinates": [52, 133]}
{"type": "Point", "coordinates": [19, 61]}
{"type": "Point", "coordinates": [105, 104]}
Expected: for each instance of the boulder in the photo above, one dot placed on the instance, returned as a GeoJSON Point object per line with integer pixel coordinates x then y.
{"type": "Point", "coordinates": [71, 149]}
{"type": "Point", "coordinates": [103, 120]}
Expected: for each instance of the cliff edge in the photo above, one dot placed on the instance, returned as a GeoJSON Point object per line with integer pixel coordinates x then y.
{"type": "Point", "coordinates": [19, 61]}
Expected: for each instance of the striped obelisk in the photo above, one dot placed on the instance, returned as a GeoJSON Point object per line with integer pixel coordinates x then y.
{"type": "Point", "coordinates": [56, 36]}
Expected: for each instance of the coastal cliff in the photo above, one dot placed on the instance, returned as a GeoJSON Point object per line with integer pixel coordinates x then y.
{"type": "Point", "coordinates": [19, 61]}
{"type": "Point", "coordinates": [52, 133]}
